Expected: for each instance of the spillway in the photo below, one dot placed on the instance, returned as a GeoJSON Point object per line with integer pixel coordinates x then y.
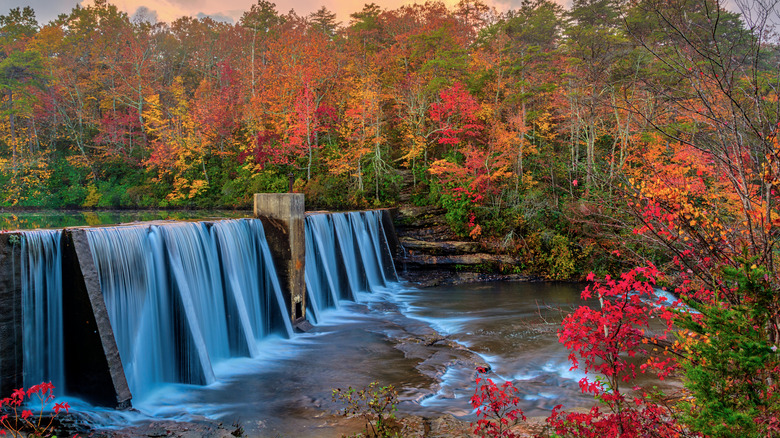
{"type": "Point", "coordinates": [149, 304]}
{"type": "Point", "coordinates": [346, 253]}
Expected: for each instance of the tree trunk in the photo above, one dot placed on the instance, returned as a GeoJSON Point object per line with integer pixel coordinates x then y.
{"type": "Point", "coordinates": [13, 129]}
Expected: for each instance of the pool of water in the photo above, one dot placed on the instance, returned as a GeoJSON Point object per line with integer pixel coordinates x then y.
{"type": "Point", "coordinates": [286, 391]}
{"type": "Point", "coordinates": [513, 327]}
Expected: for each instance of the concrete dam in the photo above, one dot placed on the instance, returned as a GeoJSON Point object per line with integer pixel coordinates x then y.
{"type": "Point", "coordinates": [107, 314]}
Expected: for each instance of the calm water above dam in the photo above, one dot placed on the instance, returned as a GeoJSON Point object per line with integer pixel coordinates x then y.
{"type": "Point", "coordinates": [30, 220]}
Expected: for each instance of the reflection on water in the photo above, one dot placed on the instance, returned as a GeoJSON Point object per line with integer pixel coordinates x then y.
{"type": "Point", "coordinates": [78, 218]}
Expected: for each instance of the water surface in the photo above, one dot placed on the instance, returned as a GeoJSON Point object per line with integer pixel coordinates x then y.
{"type": "Point", "coordinates": [287, 390]}
{"type": "Point", "coordinates": [28, 220]}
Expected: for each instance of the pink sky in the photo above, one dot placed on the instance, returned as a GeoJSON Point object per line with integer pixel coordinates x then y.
{"type": "Point", "coordinates": [231, 10]}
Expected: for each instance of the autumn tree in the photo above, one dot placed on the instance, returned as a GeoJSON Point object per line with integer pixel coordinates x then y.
{"type": "Point", "coordinates": [429, 53]}
{"type": "Point", "coordinates": [261, 20]}
{"type": "Point", "coordinates": [21, 68]}
{"type": "Point", "coordinates": [515, 65]}
{"type": "Point", "coordinates": [363, 129]}
{"type": "Point", "coordinates": [708, 195]}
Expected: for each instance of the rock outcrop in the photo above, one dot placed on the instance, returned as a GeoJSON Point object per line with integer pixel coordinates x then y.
{"type": "Point", "coordinates": [431, 254]}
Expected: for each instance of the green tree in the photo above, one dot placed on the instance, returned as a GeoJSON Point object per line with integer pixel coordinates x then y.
{"type": "Point", "coordinates": [324, 21]}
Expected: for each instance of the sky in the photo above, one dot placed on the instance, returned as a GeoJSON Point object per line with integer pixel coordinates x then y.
{"type": "Point", "coordinates": [226, 10]}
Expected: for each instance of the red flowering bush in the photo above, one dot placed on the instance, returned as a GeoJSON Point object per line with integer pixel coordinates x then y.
{"type": "Point", "coordinates": [25, 423]}
{"type": "Point", "coordinates": [496, 407]}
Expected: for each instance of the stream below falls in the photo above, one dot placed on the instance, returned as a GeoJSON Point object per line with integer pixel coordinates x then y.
{"type": "Point", "coordinates": [425, 342]}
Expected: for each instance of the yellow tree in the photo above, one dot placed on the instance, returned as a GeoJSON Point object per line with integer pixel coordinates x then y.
{"type": "Point", "coordinates": [362, 128]}
{"type": "Point", "coordinates": [177, 150]}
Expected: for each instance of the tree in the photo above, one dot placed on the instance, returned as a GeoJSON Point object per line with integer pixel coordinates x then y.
{"type": "Point", "coordinates": [595, 42]}
{"type": "Point", "coordinates": [324, 21]}
{"type": "Point", "coordinates": [712, 202]}
{"type": "Point", "coordinates": [363, 129]}
{"type": "Point", "coordinates": [261, 19]}
{"type": "Point", "coordinates": [20, 68]}
{"type": "Point", "coordinates": [519, 72]}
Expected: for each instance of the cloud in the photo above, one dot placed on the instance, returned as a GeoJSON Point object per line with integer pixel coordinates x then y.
{"type": "Point", "coordinates": [165, 10]}
{"type": "Point", "coordinates": [217, 17]}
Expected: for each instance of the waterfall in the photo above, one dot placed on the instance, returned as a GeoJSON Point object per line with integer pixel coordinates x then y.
{"type": "Point", "coordinates": [247, 267]}
{"type": "Point", "coordinates": [183, 296]}
{"type": "Point", "coordinates": [43, 344]}
{"type": "Point", "coordinates": [346, 253]}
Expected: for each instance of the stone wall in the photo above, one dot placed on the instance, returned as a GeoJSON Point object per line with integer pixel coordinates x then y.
{"type": "Point", "coordinates": [11, 354]}
{"type": "Point", "coordinates": [93, 369]}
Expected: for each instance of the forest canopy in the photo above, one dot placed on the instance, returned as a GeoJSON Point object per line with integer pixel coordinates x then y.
{"type": "Point", "coordinates": [543, 127]}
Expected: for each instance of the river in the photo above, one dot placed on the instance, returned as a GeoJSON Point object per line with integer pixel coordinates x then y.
{"type": "Point", "coordinates": [286, 392]}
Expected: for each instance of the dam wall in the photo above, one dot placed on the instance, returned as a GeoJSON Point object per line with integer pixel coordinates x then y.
{"type": "Point", "coordinates": [108, 314]}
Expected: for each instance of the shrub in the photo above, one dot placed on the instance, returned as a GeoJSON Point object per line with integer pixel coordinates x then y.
{"type": "Point", "coordinates": [26, 423]}
{"type": "Point", "coordinates": [375, 404]}
{"type": "Point", "coordinates": [496, 408]}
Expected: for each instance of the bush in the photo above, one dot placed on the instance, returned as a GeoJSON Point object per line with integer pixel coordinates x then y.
{"type": "Point", "coordinates": [375, 404]}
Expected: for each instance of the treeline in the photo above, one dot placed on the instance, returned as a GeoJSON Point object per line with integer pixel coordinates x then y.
{"type": "Point", "coordinates": [525, 125]}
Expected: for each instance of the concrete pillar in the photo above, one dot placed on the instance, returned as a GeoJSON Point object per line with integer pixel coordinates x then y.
{"type": "Point", "coordinates": [11, 353]}
{"type": "Point", "coordinates": [283, 220]}
{"type": "Point", "coordinates": [93, 369]}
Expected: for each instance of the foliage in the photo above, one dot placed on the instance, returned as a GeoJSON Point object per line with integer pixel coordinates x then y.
{"type": "Point", "coordinates": [26, 423]}
{"type": "Point", "coordinates": [731, 367]}
{"type": "Point", "coordinates": [561, 260]}
{"type": "Point", "coordinates": [375, 404]}
{"type": "Point", "coordinates": [496, 408]}
{"type": "Point", "coordinates": [606, 340]}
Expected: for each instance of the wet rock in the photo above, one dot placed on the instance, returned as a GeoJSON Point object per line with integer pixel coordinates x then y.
{"type": "Point", "coordinates": [461, 259]}
{"type": "Point", "coordinates": [448, 426]}
{"type": "Point", "coordinates": [424, 278]}
{"type": "Point", "coordinates": [430, 254]}
{"type": "Point", "coordinates": [202, 429]}
{"type": "Point", "coordinates": [413, 245]}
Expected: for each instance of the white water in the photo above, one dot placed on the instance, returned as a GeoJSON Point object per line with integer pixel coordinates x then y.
{"type": "Point", "coordinates": [42, 308]}
{"type": "Point", "coordinates": [183, 297]}
{"type": "Point", "coordinates": [346, 255]}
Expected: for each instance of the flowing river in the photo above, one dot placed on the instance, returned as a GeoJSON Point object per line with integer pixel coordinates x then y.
{"type": "Point", "coordinates": [286, 391]}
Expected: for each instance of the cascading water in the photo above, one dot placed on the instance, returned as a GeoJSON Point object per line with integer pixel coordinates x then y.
{"type": "Point", "coordinates": [43, 344]}
{"type": "Point", "coordinates": [349, 255]}
{"type": "Point", "coordinates": [182, 297]}
{"type": "Point", "coordinates": [325, 282]}
{"type": "Point", "coordinates": [381, 246]}
{"type": "Point", "coordinates": [346, 253]}
{"type": "Point", "coordinates": [185, 295]}
{"type": "Point", "coordinates": [247, 266]}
